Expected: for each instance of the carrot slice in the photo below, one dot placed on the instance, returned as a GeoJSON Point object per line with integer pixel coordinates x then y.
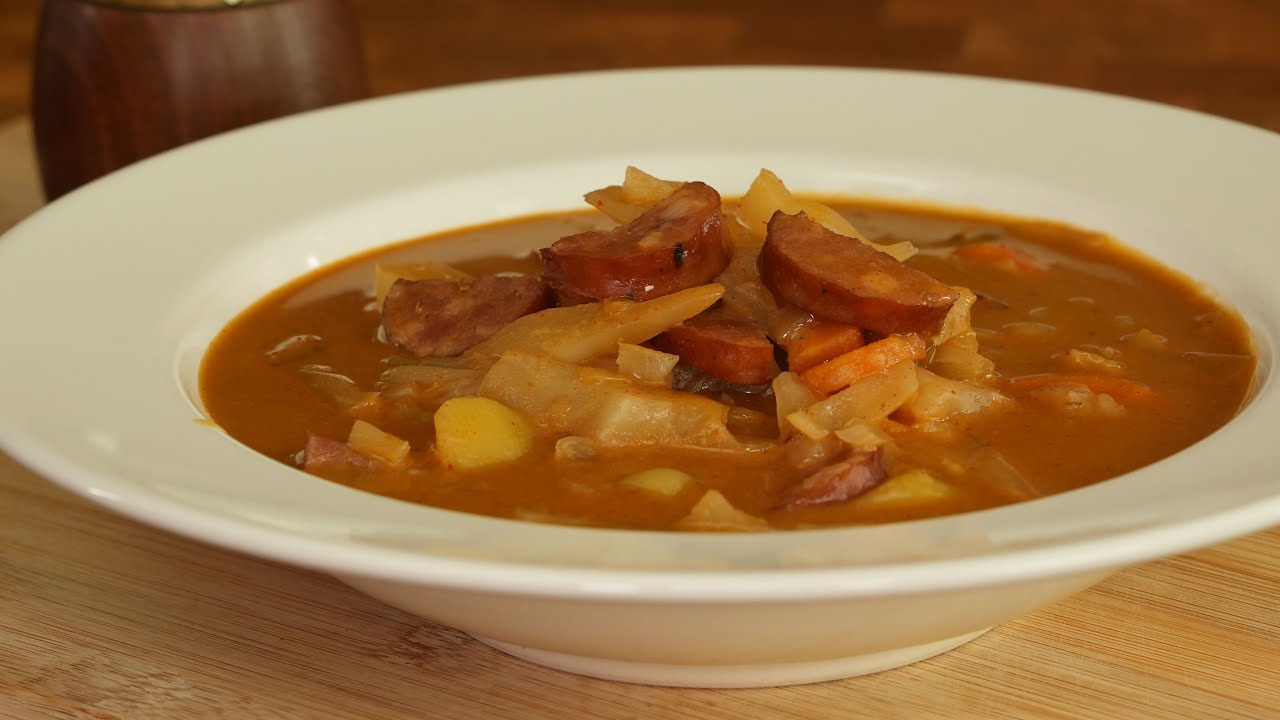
{"type": "Point", "coordinates": [1124, 391]}
{"type": "Point", "coordinates": [819, 341]}
{"type": "Point", "coordinates": [841, 372]}
{"type": "Point", "coordinates": [999, 255]}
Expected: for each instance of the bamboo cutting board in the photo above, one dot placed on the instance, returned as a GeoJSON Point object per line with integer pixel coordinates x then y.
{"type": "Point", "coordinates": [103, 619]}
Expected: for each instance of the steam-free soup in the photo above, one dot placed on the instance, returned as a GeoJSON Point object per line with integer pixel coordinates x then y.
{"type": "Point", "coordinates": [679, 362]}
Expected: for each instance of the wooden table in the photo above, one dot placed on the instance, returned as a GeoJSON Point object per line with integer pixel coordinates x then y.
{"type": "Point", "coordinates": [103, 618]}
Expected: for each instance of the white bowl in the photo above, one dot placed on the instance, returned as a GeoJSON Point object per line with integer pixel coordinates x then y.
{"type": "Point", "coordinates": [109, 297]}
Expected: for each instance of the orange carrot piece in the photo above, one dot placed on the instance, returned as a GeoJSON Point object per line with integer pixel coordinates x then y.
{"type": "Point", "coordinates": [1123, 391]}
{"type": "Point", "coordinates": [819, 341]}
{"type": "Point", "coordinates": [999, 255]}
{"type": "Point", "coordinates": [841, 372]}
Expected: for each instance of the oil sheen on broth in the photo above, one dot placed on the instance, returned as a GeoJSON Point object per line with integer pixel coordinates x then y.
{"type": "Point", "coordinates": [1109, 362]}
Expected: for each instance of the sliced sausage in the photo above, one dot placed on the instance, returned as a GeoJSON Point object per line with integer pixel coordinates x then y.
{"type": "Point", "coordinates": [837, 482]}
{"type": "Point", "coordinates": [324, 455]}
{"type": "Point", "coordinates": [725, 347]}
{"type": "Point", "coordinates": [844, 280]}
{"type": "Point", "coordinates": [678, 243]}
{"type": "Point", "coordinates": [439, 318]}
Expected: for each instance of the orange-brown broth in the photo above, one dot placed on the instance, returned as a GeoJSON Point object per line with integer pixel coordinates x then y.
{"type": "Point", "coordinates": [1200, 382]}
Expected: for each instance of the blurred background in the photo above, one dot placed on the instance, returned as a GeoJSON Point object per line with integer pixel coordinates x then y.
{"type": "Point", "coordinates": [1220, 56]}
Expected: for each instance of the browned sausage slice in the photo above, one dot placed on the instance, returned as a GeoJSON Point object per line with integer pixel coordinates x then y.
{"type": "Point", "coordinates": [324, 455]}
{"type": "Point", "coordinates": [439, 318]}
{"type": "Point", "coordinates": [844, 280]}
{"type": "Point", "coordinates": [725, 347]}
{"type": "Point", "coordinates": [678, 243]}
{"type": "Point", "coordinates": [838, 482]}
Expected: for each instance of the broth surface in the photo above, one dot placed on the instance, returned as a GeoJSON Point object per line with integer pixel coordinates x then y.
{"type": "Point", "coordinates": [1093, 295]}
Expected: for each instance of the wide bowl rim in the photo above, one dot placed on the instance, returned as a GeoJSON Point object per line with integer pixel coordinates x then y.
{"type": "Point", "coordinates": [353, 557]}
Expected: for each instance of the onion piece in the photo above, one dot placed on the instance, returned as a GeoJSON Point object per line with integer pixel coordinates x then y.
{"type": "Point", "coordinates": [646, 364]}
{"type": "Point", "coordinates": [337, 388]}
{"type": "Point", "coordinates": [639, 192]}
{"type": "Point", "coordinates": [713, 512]}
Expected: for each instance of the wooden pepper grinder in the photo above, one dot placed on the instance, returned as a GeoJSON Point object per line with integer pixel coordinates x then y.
{"type": "Point", "coordinates": [118, 80]}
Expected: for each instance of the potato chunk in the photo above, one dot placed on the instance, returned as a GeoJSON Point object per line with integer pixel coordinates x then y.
{"type": "Point", "coordinates": [367, 439]}
{"type": "Point", "coordinates": [715, 513]}
{"type": "Point", "coordinates": [914, 487]}
{"type": "Point", "coordinates": [664, 481]}
{"type": "Point", "coordinates": [475, 432]}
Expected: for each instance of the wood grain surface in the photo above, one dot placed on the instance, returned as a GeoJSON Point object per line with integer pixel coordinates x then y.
{"type": "Point", "coordinates": [105, 619]}
{"type": "Point", "coordinates": [1220, 56]}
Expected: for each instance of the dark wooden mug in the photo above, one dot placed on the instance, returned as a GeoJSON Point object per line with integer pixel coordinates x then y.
{"type": "Point", "coordinates": [119, 80]}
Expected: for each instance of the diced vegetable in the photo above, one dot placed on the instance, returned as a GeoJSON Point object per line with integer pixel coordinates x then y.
{"type": "Point", "coordinates": [660, 417]}
{"type": "Point", "coordinates": [807, 425]}
{"type": "Point", "coordinates": [863, 437]}
{"type": "Point", "coordinates": [1146, 340]}
{"type": "Point", "coordinates": [476, 432]}
{"type": "Point", "coordinates": [808, 454]}
{"type": "Point", "coordinates": [367, 439]}
{"type": "Point", "coordinates": [386, 274]}
{"type": "Point", "coordinates": [867, 360]}
{"type": "Point", "coordinates": [938, 398]}
{"type": "Point", "coordinates": [768, 195]}
{"type": "Point", "coordinates": [914, 487]}
{"type": "Point", "coordinates": [1124, 391]}
{"type": "Point", "coordinates": [713, 512]}
{"type": "Point", "coordinates": [996, 472]}
{"type": "Point", "coordinates": [645, 364]}
{"type": "Point", "coordinates": [579, 332]}
{"type": "Point", "coordinates": [952, 360]}
{"type": "Point", "coordinates": [606, 407]}
{"type": "Point", "coordinates": [639, 192]}
{"type": "Point", "coordinates": [1087, 362]}
{"type": "Point", "coordinates": [744, 292]}
{"type": "Point", "coordinates": [790, 394]}
{"type": "Point", "coordinates": [968, 340]}
{"type": "Point", "coordinates": [958, 320]}
{"type": "Point", "coordinates": [338, 389]}
{"type": "Point", "coordinates": [818, 341]}
{"type": "Point", "coordinates": [664, 481]}
{"type": "Point", "coordinates": [429, 385]}
{"type": "Point", "coordinates": [1000, 256]}
{"type": "Point", "coordinates": [869, 400]}
{"type": "Point", "coordinates": [538, 516]}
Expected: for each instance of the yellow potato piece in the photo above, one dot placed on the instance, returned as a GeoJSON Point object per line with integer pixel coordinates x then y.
{"type": "Point", "coordinates": [714, 513]}
{"type": "Point", "coordinates": [367, 439]}
{"type": "Point", "coordinates": [476, 432]}
{"type": "Point", "coordinates": [914, 487]}
{"type": "Point", "coordinates": [660, 481]}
